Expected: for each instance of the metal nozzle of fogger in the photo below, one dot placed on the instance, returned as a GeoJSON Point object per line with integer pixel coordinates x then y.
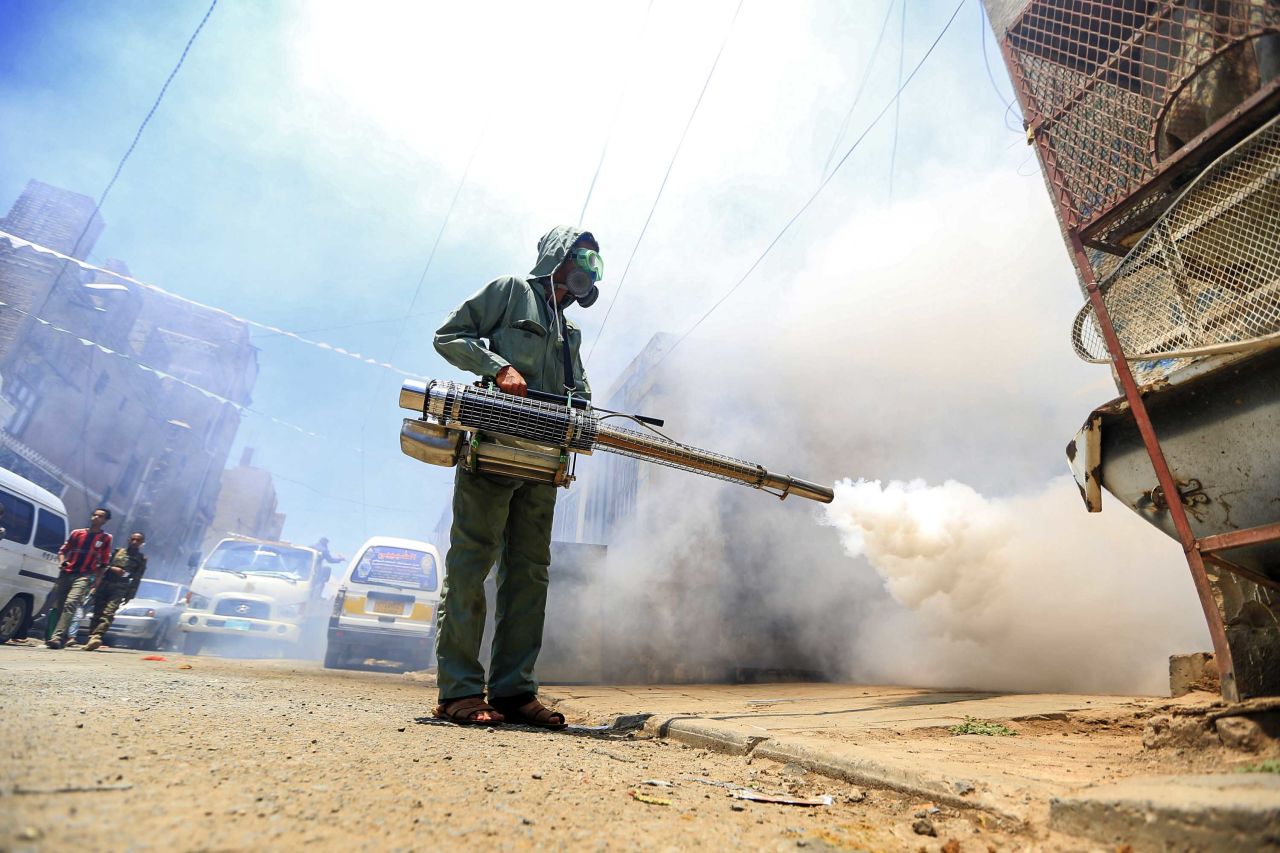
{"type": "Point", "coordinates": [546, 435]}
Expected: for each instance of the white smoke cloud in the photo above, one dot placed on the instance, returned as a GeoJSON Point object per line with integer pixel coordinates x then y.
{"type": "Point", "coordinates": [1027, 592]}
{"type": "Point", "coordinates": [939, 354]}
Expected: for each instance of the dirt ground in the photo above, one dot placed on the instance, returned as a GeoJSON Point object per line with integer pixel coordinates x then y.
{"type": "Point", "coordinates": [106, 750]}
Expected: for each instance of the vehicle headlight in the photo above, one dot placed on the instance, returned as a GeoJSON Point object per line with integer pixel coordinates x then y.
{"type": "Point", "coordinates": [197, 602]}
{"type": "Point", "coordinates": [292, 611]}
{"type": "Point", "coordinates": [148, 612]}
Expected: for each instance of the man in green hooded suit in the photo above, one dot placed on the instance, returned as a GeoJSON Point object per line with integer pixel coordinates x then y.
{"type": "Point", "coordinates": [513, 332]}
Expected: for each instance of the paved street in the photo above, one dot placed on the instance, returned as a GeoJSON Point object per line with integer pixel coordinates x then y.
{"type": "Point", "coordinates": [108, 750]}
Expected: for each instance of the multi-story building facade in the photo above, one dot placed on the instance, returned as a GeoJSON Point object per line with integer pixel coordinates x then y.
{"type": "Point", "coordinates": [102, 398]}
{"type": "Point", "coordinates": [247, 504]}
{"type": "Point", "coordinates": [609, 484]}
{"type": "Point", "coordinates": [64, 221]}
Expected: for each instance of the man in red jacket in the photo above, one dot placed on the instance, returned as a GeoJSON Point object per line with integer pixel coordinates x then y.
{"type": "Point", "coordinates": [84, 559]}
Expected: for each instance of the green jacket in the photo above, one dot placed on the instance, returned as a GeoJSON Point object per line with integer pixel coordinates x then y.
{"type": "Point", "coordinates": [510, 321]}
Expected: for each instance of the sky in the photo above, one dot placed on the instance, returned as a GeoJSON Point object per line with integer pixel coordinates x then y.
{"type": "Point", "coordinates": [300, 168]}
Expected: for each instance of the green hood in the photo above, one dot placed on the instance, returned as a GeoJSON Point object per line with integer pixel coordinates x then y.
{"type": "Point", "coordinates": [553, 246]}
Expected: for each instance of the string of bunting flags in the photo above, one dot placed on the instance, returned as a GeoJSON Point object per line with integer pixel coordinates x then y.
{"type": "Point", "coordinates": [19, 243]}
{"type": "Point", "coordinates": [165, 376]}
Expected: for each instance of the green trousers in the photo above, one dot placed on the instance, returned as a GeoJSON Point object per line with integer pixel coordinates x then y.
{"type": "Point", "coordinates": [69, 590]}
{"type": "Point", "coordinates": [507, 521]}
{"type": "Point", "coordinates": [105, 604]}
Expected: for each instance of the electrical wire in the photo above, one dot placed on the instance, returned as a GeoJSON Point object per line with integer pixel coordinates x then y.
{"type": "Point", "coordinates": [897, 102]}
{"type": "Point", "coordinates": [453, 203]}
{"type": "Point", "coordinates": [413, 302]}
{"type": "Point", "coordinates": [986, 62]}
{"type": "Point", "coordinates": [617, 108]}
{"type": "Point", "coordinates": [622, 280]}
{"type": "Point", "coordinates": [813, 197]}
{"type": "Point", "coordinates": [156, 105]}
{"type": "Point", "coordinates": [97, 208]}
{"type": "Point", "coordinates": [862, 86]}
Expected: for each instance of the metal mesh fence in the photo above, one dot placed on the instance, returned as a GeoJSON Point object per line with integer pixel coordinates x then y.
{"type": "Point", "coordinates": [1206, 277]}
{"type": "Point", "coordinates": [1117, 91]}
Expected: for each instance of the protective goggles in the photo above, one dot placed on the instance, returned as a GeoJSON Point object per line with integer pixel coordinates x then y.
{"type": "Point", "coordinates": [589, 261]}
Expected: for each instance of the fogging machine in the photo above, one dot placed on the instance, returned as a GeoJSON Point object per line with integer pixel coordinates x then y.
{"type": "Point", "coordinates": [536, 438]}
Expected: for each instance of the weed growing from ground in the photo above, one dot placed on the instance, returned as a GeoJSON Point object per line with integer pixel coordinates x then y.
{"type": "Point", "coordinates": [1271, 765]}
{"type": "Point", "coordinates": [974, 726]}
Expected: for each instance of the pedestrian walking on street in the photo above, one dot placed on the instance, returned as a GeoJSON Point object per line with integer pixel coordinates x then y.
{"type": "Point", "coordinates": [512, 332]}
{"type": "Point", "coordinates": [119, 584]}
{"type": "Point", "coordinates": [84, 557]}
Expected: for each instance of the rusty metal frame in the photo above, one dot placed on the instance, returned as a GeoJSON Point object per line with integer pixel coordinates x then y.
{"type": "Point", "coordinates": [1177, 513]}
{"type": "Point", "coordinates": [1240, 538]}
{"type": "Point", "coordinates": [1236, 569]}
{"type": "Point", "coordinates": [1052, 31]}
{"type": "Point", "coordinates": [1196, 551]}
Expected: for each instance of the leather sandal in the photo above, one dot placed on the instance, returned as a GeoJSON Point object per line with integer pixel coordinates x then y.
{"type": "Point", "coordinates": [463, 711]}
{"type": "Point", "coordinates": [525, 711]}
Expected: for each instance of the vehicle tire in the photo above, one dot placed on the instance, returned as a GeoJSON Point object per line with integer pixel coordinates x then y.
{"type": "Point", "coordinates": [191, 644]}
{"type": "Point", "coordinates": [13, 618]}
{"type": "Point", "coordinates": [334, 656]}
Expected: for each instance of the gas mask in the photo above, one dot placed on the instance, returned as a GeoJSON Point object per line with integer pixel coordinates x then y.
{"type": "Point", "coordinates": [586, 267]}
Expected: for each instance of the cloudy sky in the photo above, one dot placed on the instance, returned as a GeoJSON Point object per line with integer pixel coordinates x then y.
{"type": "Point", "coordinates": [302, 163]}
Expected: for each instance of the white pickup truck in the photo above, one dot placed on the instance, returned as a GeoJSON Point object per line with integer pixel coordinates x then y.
{"type": "Point", "coordinates": [250, 590]}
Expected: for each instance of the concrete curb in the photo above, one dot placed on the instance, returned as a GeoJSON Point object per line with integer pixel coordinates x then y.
{"type": "Point", "coordinates": [873, 773]}
{"type": "Point", "coordinates": [864, 770]}
{"type": "Point", "coordinates": [694, 731]}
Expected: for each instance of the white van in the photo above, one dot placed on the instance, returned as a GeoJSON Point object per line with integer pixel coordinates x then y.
{"type": "Point", "coordinates": [385, 607]}
{"type": "Point", "coordinates": [252, 589]}
{"type": "Point", "coordinates": [35, 527]}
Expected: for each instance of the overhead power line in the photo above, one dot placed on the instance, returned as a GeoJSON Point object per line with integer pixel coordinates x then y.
{"type": "Point", "coordinates": [897, 101]}
{"type": "Point", "coordinates": [413, 302]}
{"type": "Point", "coordinates": [617, 108]}
{"type": "Point", "coordinates": [862, 87]}
{"type": "Point", "coordinates": [431, 257]}
{"type": "Point", "coordinates": [705, 83]}
{"type": "Point", "coordinates": [813, 197]}
{"type": "Point", "coordinates": [138, 134]}
{"type": "Point", "coordinates": [1008, 104]}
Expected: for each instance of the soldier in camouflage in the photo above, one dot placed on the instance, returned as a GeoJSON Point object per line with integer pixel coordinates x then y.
{"type": "Point", "coordinates": [119, 584]}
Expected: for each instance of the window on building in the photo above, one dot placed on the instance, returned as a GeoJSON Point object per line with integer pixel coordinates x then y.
{"type": "Point", "coordinates": [129, 479]}
{"type": "Point", "coordinates": [18, 515]}
{"type": "Point", "coordinates": [24, 400]}
{"type": "Point", "coordinates": [51, 531]}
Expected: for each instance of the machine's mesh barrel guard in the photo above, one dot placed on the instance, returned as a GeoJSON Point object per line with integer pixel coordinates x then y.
{"type": "Point", "coordinates": [1206, 277]}
{"type": "Point", "coordinates": [466, 407]}
{"type": "Point", "coordinates": [471, 408]}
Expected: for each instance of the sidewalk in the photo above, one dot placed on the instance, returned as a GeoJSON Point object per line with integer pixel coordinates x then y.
{"type": "Point", "coordinates": [898, 737]}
